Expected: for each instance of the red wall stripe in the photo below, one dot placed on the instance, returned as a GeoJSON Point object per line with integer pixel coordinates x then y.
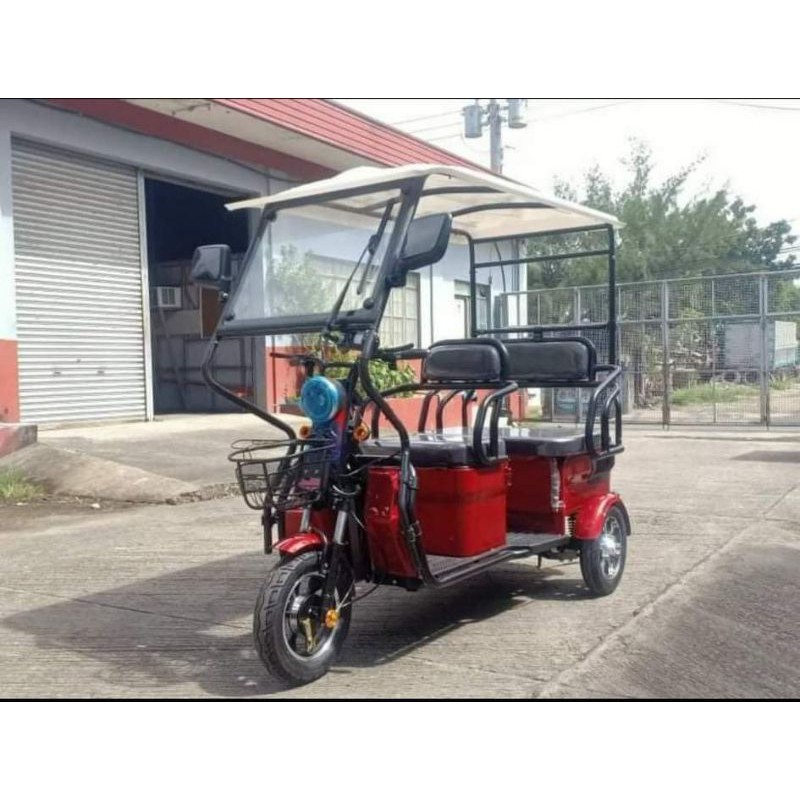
{"type": "Point", "coordinates": [9, 385]}
{"type": "Point", "coordinates": [345, 129]}
{"type": "Point", "coordinates": [151, 123]}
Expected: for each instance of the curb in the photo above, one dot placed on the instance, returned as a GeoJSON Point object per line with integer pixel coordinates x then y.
{"type": "Point", "coordinates": [15, 436]}
{"type": "Point", "coordinates": [64, 472]}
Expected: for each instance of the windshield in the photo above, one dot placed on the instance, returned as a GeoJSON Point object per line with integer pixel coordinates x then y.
{"type": "Point", "coordinates": [302, 260]}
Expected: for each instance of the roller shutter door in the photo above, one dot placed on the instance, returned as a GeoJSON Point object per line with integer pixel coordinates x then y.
{"type": "Point", "coordinates": [80, 320]}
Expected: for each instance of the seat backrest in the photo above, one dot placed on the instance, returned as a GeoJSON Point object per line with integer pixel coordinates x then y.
{"type": "Point", "coordinates": [466, 360]}
{"type": "Point", "coordinates": [565, 361]}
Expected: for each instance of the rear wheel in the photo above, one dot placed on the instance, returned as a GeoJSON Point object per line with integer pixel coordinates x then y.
{"type": "Point", "coordinates": [296, 640]}
{"type": "Point", "coordinates": [603, 559]}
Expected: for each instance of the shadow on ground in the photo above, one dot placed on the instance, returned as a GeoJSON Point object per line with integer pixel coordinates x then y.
{"type": "Point", "coordinates": [192, 627]}
{"type": "Point", "coordinates": [771, 456]}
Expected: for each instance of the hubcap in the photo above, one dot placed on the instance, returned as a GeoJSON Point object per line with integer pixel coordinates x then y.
{"type": "Point", "coordinates": [611, 544]}
{"type": "Point", "coordinates": [304, 630]}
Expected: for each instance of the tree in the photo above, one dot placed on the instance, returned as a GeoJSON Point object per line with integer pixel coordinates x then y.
{"type": "Point", "coordinates": [666, 235]}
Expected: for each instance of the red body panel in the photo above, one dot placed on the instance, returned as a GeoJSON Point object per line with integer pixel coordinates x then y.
{"type": "Point", "coordinates": [589, 523]}
{"type": "Point", "coordinates": [582, 494]}
{"type": "Point", "coordinates": [302, 543]}
{"type": "Point", "coordinates": [387, 547]}
{"type": "Point", "coordinates": [323, 520]}
{"type": "Point", "coordinates": [529, 507]}
{"type": "Point", "coordinates": [462, 510]}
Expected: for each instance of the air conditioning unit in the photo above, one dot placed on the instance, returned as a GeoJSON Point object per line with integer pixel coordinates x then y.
{"type": "Point", "coordinates": [167, 297]}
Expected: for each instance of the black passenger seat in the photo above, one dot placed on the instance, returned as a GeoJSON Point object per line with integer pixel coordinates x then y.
{"type": "Point", "coordinates": [461, 364]}
{"type": "Point", "coordinates": [429, 450]}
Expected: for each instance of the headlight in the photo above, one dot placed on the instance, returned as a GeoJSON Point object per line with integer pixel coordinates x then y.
{"type": "Point", "coordinates": [321, 398]}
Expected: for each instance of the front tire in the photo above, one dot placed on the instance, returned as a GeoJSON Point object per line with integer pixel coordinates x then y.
{"type": "Point", "coordinates": [291, 637]}
{"type": "Point", "coordinates": [603, 559]}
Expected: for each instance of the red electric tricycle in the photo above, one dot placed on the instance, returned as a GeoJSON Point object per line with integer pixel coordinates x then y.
{"type": "Point", "coordinates": [428, 482]}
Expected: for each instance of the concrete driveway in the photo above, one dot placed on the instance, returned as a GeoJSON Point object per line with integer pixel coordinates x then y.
{"type": "Point", "coordinates": [184, 447]}
{"type": "Point", "coordinates": [156, 601]}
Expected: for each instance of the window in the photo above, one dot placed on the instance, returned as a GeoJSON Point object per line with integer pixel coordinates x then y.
{"type": "Point", "coordinates": [462, 294]}
{"type": "Point", "coordinates": [401, 321]}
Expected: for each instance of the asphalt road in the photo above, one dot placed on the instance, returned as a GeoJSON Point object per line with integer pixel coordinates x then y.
{"type": "Point", "coordinates": [156, 601]}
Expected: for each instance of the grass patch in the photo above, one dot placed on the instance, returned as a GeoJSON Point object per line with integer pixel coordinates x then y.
{"type": "Point", "coordinates": [15, 488]}
{"type": "Point", "coordinates": [782, 384]}
{"type": "Point", "coordinates": [712, 393]}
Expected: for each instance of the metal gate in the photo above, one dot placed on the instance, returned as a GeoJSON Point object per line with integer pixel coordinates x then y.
{"type": "Point", "coordinates": [718, 350]}
{"type": "Point", "coordinates": [78, 287]}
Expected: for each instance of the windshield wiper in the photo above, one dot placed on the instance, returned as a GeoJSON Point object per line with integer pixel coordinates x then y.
{"type": "Point", "coordinates": [371, 248]}
{"type": "Point", "coordinates": [337, 306]}
{"type": "Point", "coordinates": [374, 241]}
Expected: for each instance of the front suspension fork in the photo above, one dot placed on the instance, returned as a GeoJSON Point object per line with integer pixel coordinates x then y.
{"type": "Point", "coordinates": [336, 558]}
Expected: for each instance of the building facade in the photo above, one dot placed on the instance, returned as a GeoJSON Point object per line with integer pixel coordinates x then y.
{"type": "Point", "coordinates": [102, 203]}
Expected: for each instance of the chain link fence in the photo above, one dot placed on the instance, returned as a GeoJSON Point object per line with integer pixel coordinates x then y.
{"type": "Point", "coordinates": [720, 350]}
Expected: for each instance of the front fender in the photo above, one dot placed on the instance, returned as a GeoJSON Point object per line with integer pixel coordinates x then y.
{"type": "Point", "coordinates": [302, 543]}
{"type": "Point", "coordinates": [590, 519]}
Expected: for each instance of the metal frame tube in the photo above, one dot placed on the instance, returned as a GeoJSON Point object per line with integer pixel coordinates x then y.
{"type": "Point", "coordinates": [539, 259]}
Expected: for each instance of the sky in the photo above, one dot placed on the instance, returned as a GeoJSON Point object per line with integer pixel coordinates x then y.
{"type": "Point", "coordinates": [750, 146]}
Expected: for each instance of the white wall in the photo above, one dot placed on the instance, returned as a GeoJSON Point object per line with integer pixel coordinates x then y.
{"type": "Point", "coordinates": [8, 317]}
{"type": "Point", "coordinates": [440, 317]}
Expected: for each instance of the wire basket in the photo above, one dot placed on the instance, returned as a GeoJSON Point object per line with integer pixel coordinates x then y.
{"type": "Point", "coordinates": [281, 473]}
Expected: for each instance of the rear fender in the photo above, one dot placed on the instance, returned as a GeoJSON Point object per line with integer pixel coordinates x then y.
{"type": "Point", "coordinates": [302, 543]}
{"type": "Point", "coordinates": [592, 515]}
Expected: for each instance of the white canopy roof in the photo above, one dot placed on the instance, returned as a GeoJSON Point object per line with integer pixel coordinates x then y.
{"type": "Point", "coordinates": [551, 214]}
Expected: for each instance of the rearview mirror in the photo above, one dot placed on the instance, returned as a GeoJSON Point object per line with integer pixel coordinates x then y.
{"type": "Point", "coordinates": [211, 266]}
{"type": "Point", "coordinates": [426, 241]}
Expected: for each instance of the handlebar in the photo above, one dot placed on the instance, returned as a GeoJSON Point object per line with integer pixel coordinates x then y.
{"type": "Point", "coordinates": [410, 354]}
{"type": "Point", "coordinates": [391, 354]}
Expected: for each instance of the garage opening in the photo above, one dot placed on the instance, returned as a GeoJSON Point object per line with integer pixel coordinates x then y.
{"type": "Point", "coordinates": [180, 218]}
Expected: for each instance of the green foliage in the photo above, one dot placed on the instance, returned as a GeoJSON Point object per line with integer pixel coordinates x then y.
{"type": "Point", "coordinates": [383, 375]}
{"type": "Point", "coordinates": [666, 235]}
{"type": "Point", "coordinates": [784, 295]}
{"type": "Point", "coordinates": [781, 384]}
{"type": "Point", "coordinates": [722, 392]}
{"type": "Point", "coordinates": [15, 488]}
{"type": "Point", "coordinates": [295, 286]}
{"type": "Point", "coordinates": [713, 392]}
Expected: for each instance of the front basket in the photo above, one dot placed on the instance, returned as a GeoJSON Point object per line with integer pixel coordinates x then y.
{"type": "Point", "coordinates": [282, 473]}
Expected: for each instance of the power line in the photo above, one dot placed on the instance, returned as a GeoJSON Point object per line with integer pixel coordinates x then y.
{"type": "Point", "coordinates": [745, 104]}
{"type": "Point", "coordinates": [442, 138]}
{"type": "Point", "coordinates": [580, 111]}
{"type": "Point", "coordinates": [544, 118]}
{"type": "Point", "coordinates": [457, 113]}
{"type": "Point", "coordinates": [557, 115]}
{"type": "Point", "coordinates": [428, 117]}
{"type": "Point", "coordinates": [440, 126]}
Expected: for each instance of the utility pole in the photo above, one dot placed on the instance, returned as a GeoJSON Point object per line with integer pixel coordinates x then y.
{"type": "Point", "coordinates": [495, 137]}
{"type": "Point", "coordinates": [476, 118]}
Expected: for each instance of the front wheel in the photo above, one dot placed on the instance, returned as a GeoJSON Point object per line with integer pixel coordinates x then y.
{"type": "Point", "coordinates": [296, 640]}
{"type": "Point", "coordinates": [603, 559]}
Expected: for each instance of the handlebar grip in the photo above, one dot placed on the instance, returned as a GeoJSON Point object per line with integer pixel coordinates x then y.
{"type": "Point", "coordinates": [400, 348]}
{"type": "Point", "coordinates": [409, 355]}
